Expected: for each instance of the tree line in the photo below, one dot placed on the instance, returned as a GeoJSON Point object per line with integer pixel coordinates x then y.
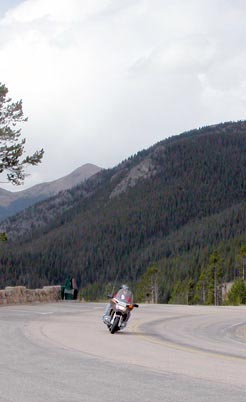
{"type": "Point", "coordinates": [194, 200]}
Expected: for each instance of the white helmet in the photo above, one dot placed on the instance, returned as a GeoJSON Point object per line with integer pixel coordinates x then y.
{"type": "Point", "coordinates": [124, 287]}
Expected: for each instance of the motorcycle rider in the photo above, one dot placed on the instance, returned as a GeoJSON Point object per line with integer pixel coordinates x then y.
{"type": "Point", "coordinates": [124, 293]}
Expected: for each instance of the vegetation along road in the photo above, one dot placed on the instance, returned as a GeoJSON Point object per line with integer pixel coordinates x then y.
{"type": "Point", "coordinates": [63, 352]}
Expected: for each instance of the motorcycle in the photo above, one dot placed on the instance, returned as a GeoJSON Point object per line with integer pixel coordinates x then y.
{"type": "Point", "coordinates": [120, 310]}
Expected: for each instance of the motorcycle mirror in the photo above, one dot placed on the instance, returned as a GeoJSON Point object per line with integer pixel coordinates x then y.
{"type": "Point", "coordinates": [109, 296]}
{"type": "Point", "coordinates": [135, 305]}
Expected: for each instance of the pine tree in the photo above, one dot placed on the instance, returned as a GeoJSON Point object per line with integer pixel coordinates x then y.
{"type": "Point", "coordinates": [148, 287]}
{"type": "Point", "coordinates": [215, 274]}
{"type": "Point", "coordinates": [12, 161]}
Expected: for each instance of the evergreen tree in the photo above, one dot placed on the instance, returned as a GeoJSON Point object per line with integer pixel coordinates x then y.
{"type": "Point", "coordinates": [202, 288]}
{"type": "Point", "coordinates": [237, 293]}
{"type": "Point", "coordinates": [215, 274]}
{"type": "Point", "coordinates": [148, 286]}
{"type": "Point", "coordinates": [243, 258]}
{"type": "Point", "coordinates": [12, 161]}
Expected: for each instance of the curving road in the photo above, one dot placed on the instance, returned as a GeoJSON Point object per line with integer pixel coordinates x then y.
{"type": "Point", "coordinates": [63, 352]}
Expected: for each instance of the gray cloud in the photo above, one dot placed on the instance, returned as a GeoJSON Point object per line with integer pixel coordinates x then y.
{"type": "Point", "coordinates": [103, 79]}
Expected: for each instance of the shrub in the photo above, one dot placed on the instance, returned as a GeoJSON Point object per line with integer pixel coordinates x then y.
{"type": "Point", "coordinates": [237, 294]}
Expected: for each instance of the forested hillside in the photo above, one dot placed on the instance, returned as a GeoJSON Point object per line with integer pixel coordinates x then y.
{"type": "Point", "coordinates": [168, 206]}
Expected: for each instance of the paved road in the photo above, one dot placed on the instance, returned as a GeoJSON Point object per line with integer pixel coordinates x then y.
{"type": "Point", "coordinates": [63, 352]}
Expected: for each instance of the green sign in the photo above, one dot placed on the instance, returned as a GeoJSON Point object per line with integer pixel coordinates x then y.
{"type": "Point", "coordinates": [3, 236]}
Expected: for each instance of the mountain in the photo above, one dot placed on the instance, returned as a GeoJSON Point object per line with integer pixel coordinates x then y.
{"type": "Point", "coordinates": [13, 202]}
{"type": "Point", "coordinates": [169, 205]}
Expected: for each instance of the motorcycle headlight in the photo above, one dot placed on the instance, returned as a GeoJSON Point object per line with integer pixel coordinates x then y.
{"type": "Point", "coordinates": [121, 308]}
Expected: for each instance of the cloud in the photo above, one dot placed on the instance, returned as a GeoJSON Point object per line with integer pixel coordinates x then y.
{"type": "Point", "coordinates": [64, 11]}
{"type": "Point", "coordinates": [103, 79]}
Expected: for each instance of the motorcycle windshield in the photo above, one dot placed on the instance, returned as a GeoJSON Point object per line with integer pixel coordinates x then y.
{"type": "Point", "coordinates": [124, 295]}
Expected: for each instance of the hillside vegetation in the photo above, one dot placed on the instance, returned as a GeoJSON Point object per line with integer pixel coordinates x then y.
{"type": "Point", "coordinates": [169, 206]}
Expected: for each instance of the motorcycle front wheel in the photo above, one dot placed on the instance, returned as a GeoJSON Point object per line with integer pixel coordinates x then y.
{"type": "Point", "coordinates": [115, 327]}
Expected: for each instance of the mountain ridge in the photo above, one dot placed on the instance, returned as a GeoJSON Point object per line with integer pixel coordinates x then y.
{"type": "Point", "coordinates": [183, 195]}
{"type": "Point", "coordinates": [13, 202]}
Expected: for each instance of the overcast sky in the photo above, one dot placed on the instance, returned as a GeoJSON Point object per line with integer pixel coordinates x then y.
{"type": "Point", "coordinates": [103, 79]}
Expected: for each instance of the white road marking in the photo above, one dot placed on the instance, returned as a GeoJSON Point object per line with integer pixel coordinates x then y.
{"type": "Point", "coordinates": [235, 325]}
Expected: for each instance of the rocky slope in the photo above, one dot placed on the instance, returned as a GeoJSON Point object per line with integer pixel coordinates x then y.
{"type": "Point", "coordinates": [13, 202]}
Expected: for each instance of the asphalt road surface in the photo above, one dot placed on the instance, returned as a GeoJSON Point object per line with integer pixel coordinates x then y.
{"type": "Point", "coordinates": [64, 352]}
